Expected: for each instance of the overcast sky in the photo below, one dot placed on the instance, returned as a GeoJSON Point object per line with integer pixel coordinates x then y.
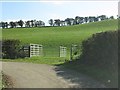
{"type": "Point", "coordinates": [45, 10]}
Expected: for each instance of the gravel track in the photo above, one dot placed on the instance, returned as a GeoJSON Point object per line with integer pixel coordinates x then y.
{"type": "Point", "coordinates": [29, 75]}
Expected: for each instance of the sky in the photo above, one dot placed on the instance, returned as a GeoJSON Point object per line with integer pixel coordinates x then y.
{"type": "Point", "coordinates": [45, 10]}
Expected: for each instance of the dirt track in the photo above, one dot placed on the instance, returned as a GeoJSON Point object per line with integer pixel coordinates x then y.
{"type": "Point", "coordinates": [28, 75]}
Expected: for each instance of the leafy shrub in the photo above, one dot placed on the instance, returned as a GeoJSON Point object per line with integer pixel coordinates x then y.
{"type": "Point", "coordinates": [101, 50]}
{"type": "Point", "coordinates": [100, 54]}
{"type": "Point", "coordinates": [21, 54]}
{"type": "Point", "coordinates": [10, 49]}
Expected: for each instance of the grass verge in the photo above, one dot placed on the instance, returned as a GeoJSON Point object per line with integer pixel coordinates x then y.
{"type": "Point", "coordinates": [6, 81]}
{"type": "Point", "coordinates": [40, 60]}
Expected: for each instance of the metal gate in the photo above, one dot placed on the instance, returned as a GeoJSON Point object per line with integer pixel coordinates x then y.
{"type": "Point", "coordinates": [36, 50]}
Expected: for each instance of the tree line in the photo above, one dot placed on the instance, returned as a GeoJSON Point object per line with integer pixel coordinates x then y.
{"type": "Point", "coordinates": [21, 23]}
{"type": "Point", "coordinates": [78, 20]}
{"type": "Point", "coordinates": [55, 22]}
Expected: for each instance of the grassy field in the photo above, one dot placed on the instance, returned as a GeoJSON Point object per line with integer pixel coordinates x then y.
{"type": "Point", "coordinates": [52, 37]}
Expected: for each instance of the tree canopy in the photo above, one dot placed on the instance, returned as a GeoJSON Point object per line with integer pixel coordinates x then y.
{"type": "Point", "coordinates": [55, 22]}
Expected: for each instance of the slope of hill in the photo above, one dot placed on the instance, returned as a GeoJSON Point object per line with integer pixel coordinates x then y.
{"type": "Point", "coordinates": [52, 37]}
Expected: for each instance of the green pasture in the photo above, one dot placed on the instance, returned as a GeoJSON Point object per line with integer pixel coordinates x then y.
{"type": "Point", "coordinates": [52, 37]}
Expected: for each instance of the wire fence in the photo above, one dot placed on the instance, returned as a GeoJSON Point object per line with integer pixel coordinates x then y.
{"type": "Point", "coordinates": [68, 52]}
{"type": "Point", "coordinates": [39, 50]}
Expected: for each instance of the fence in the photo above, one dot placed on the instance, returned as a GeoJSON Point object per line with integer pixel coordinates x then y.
{"type": "Point", "coordinates": [50, 51]}
{"type": "Point", "coordinates": [61, 51]}
{"type": "Point", "coordinates": [35, 50]}
{"type": "Point", "coordinates": [75, 51]}
{"type": "Point", "coordinates": [26, 50]}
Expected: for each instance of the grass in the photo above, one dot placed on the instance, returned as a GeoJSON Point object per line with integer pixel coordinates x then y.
{"type": "Point", "coordinates": [6, 81]}
{"type": "Point", "coordinates": [40, 60]}
{"type": "Point", "coordinates": [52, 37]}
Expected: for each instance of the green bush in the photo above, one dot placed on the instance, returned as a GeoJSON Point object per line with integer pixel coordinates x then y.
{"type": "Point", "coordinates": [100, 57]}
{"type": "Point", "coordinates": [101, 50]}
{"type": "Point", "coordinates": [21, 54]}
{"type": "Point", "coordinates": [10, 49]}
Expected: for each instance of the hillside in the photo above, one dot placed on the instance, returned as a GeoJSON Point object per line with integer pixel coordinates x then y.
{"type": "Point", "coordinates": [52, 37]}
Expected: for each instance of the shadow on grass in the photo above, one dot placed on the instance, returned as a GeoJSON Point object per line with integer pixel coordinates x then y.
{"type": "Point", "coordinates": [84, 75]}
{"type": "Point", "coordinates": [76, 79]}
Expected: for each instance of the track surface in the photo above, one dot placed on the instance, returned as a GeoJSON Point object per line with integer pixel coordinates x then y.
{"type": "Point", "coordinates": [28, 75]}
